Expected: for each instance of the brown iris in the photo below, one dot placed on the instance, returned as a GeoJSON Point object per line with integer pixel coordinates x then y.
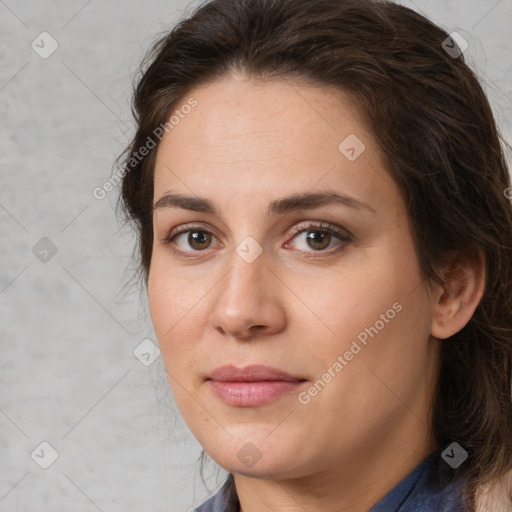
{"type": "Point", "coordinates": [316, 239]}
{"type": "Point", "coordinates": [199, 239]}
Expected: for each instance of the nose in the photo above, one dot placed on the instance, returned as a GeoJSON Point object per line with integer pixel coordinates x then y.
{"type": "Point", "coordinates": [248, 302]}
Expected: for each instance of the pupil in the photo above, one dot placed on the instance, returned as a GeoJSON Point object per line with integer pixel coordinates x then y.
{"type": "Point", "coordinates": [316, 241]}
{"type": "Point", "coordinates": [198, 237]}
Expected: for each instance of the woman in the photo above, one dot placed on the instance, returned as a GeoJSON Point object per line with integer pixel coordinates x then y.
{"type": "Point", "coordinates": [321, 200]}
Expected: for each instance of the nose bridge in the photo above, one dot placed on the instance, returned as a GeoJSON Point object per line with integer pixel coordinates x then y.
{"type": "Point", "coordinates": [245, 298]}
{"type": "Point", "coordinates": [247, 263]}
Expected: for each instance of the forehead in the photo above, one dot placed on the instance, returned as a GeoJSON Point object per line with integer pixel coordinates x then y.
{"type": "Point", "coordinates": [237, 108]}
{"type": "Point", "coordinates": [249, 137]}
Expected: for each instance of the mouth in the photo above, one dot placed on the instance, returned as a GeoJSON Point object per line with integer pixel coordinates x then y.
{"type": "Point", "coordinates": [252, 385]}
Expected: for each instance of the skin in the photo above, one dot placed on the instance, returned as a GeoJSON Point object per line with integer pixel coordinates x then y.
{"type": "Point", "coordinates": [246, 143]}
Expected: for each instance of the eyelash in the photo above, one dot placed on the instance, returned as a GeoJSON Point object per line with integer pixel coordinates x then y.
{"type": "Point", "coordinates": [321, 227]}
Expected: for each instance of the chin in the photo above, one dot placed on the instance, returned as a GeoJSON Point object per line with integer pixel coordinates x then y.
{"type": "Point", "coordinates": [256, 459]}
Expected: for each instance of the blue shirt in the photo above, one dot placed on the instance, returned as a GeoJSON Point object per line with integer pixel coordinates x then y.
{"type": "Point", "coordinates": [430, 487]}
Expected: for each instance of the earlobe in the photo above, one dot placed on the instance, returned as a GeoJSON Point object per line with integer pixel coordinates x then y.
{"type": "Point", "coordinates": [455, 303]}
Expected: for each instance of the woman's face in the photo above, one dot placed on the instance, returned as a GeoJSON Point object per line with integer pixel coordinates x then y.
{"type": "Point", "coordinates": [294, 252]}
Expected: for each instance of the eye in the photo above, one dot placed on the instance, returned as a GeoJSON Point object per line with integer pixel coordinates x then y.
{"type": "Point", "coordinates": [319, 237]}
{"type": "Point", "coordinates": [195, 237]}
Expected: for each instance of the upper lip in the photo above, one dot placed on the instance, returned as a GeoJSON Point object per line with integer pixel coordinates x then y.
{"type": "Point", "coordinates": [252, 373]}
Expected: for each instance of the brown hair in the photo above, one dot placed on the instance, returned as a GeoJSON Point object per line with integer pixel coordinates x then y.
{"type": "Point", "coordinates": [437, 132]}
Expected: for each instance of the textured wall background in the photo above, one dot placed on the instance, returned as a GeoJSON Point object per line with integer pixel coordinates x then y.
{"type": "Point", "coordinates": [70, 321]}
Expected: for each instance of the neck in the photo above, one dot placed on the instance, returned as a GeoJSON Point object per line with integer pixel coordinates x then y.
{"type": "Point", "coordinates": [353, 485]}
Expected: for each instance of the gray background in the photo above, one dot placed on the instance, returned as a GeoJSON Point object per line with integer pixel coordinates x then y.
{"type": "Point", "coordinates": [70, 321]}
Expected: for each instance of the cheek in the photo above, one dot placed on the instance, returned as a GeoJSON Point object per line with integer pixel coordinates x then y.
{"type": "Point", "coordinates": [161, 307]}
{"type": "Point", "coordinates": [380, 323]}
{"type": "Point", "coordinates": [379, 319]}
{"type": "Point", "coordinates": [363, 294]}
{"type": "Point", "coordinates": [165, 304]}
{"type": "Point", "coordinates": [176, 312]}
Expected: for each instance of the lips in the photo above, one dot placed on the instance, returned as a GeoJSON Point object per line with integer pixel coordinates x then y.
{"type": "Point", "coordinates": [252, 373]}
{"type": "Point", "coordinates": [253, 385]}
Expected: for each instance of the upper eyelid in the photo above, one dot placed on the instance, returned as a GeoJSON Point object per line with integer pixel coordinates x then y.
{"type": "Point", "coordinates": [185, 228]}
{"type": "Point", "coordinates": [300, 227]}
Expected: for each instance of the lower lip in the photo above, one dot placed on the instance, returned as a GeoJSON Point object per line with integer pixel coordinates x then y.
{"type": "Point", "coordinates": [250, 394]}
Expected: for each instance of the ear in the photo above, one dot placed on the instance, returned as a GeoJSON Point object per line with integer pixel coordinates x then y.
{"type": "Point", "coordinates": [454, 303]}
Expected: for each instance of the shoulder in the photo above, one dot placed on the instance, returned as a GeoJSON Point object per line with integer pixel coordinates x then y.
{"type": "Point", "coordinates": [214, 504]}
{"type": "Point", "coordinates": [431, 500]}
{"type": "Point", "coordinates": [438, 490]}
{"type": "Point", "coordinates": [225, 500]}
{"type": "Point", "coordinates": [432, 487]}
{"type": "Point", "coordinates": [495, 496]}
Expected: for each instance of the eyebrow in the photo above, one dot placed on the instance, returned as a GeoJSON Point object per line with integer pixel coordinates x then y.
{"type": "Point", "coordinates": [305, 201]}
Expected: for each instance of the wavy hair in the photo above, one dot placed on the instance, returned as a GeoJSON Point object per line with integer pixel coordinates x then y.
{"type": "Point", "coordinates": [436, 130]}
